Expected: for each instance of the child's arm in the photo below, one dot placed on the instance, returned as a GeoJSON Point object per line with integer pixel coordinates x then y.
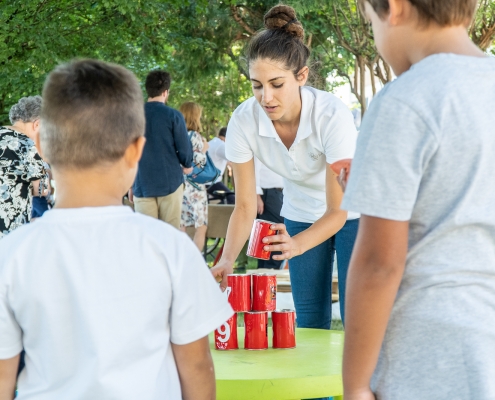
{"type": "Point", "coordinates": [8, 376]}
{"type": "Point", "coordinates": [375, 273]}
{"type": "Point", "coordinates": [196, 371]}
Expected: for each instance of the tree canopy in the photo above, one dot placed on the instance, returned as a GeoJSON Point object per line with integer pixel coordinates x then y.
{"type": "Point", "coordinates": [200, 42]}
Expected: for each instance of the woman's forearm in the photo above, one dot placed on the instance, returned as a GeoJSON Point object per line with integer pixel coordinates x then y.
{"type": "Point", "coordinates": [238, 232]}
{"type": "Point", "coordinates": [324, 228]}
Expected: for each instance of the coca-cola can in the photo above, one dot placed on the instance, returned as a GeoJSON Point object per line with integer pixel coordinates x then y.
{"type": "Point", "coordinates": [261, 229]}
{"type": "Point", "coordinates": [239, 292]}
{"type": "Point", "coordinates": [256, 330]}
{"type": "Point", "coordinates": [226, 335]}
{"type": "Point", "coordinates": [284, 329]}
{"type": "Point", "coordinates": [264, 292]}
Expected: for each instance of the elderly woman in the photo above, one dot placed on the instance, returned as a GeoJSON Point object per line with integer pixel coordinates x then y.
{"type": "Point", "coordinates": [20, 164]}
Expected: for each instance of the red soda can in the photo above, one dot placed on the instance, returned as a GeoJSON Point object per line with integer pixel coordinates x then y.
{"type": "Point", "coordinates": [261, 229]}
{"type": "Point", "coordinates": [226, 335]}
{"type": "Point", "coordinates": [239, 292]}
{"type": "Point", "coordinates": [256, 331]}
{"type": "Point", "coordinates": [264, 292]}
{"type": "Point", "coordinates": [284, 329]}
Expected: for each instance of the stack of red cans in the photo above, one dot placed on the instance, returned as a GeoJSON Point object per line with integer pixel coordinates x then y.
{"type": "Point", "coordinates": [255, 295]}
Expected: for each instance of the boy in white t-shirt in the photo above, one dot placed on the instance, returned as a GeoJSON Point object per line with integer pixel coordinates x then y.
{"type": "Point", "coordinates": [420, 310]}
{"type": "Point", "coordinates": [107, 304]}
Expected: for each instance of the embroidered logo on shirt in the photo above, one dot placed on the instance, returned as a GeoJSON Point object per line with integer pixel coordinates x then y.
{"type": "Point", "coordinates": [314, 156]}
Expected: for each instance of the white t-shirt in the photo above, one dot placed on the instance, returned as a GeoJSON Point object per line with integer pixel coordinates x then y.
{"type": "Point", "coordinates": [326, 134]}
{"type": "Point", "coordinates": [426, 154]}
{"type": "Point", "coordinates": [95, 296]}
{"type": "Point", "coordinates": [217, 154]}
{"type": "Point", "coordinates": [266, 178]}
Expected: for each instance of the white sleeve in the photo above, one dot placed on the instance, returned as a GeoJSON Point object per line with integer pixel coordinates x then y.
{"type": "Point", "coordinates": [10, 332]}
{"type": "Point", "coordinates": [393, 151]}
{"type": "Point", "coordinates": [257, 172]}
{"type": "Point", "coordinates": [339, 136]}
{"type": "Point", "coordinates": [237, 148]}
{"type": "Point", "coordinates": [198, 304]}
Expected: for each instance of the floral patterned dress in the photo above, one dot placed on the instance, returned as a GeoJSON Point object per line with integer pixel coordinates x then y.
{"type": "Point", "coordinates": [195, 202]}
{"type": "Point", "coordinates": [20, 165]}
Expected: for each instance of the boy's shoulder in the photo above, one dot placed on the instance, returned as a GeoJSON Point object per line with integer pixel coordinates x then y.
{"type": "Point", "coordinates": [438, 77]}
{"type": "Point", "coordinates": [117, 222]}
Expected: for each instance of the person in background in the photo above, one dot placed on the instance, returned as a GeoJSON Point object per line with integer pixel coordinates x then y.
{"type": "Point", "coordinates": [217, 154]}
{"type": "Point", "coordinates": [421, 285]}
{"type": "Point", "coordinates": [195, 199]}
{"type": "Point", "coordinates": [270, 198]}
{"type": "Point", "coordinates": [109, 304]}
{"type": "Point", "coordinates": [22, 170]}
{"type": "Point", "coordinates": [167, 155]}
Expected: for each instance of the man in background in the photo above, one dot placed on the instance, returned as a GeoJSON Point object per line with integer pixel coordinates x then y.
{"type": "Point", "coordinates": [167, 155]}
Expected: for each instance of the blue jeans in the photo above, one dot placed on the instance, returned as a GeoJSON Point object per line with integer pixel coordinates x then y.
{"type": "Point", "coordinates": [311, 275]}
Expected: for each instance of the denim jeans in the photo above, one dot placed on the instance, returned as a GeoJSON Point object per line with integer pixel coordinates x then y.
{"type": "Point", "coordinates": [311, 275]}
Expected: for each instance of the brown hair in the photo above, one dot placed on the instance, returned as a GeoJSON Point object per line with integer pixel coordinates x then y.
{"type": "Point", "coordinates": [192, 114]}
{"type": "Point", "coordinates": [92, 111]}
{"type": "Point", "coordinates": [157, 82]}
{"type": "Point", "coordinates": [442, 12]}
{"type": "Point", "coordinates": [282, 40]}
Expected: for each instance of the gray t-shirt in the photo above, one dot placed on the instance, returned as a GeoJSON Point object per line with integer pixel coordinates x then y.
{"type": "Point", "coordinates": [426, 153]}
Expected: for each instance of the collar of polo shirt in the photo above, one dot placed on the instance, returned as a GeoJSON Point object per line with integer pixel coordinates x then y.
{"type": "Point", "coordinates": [267, 129]}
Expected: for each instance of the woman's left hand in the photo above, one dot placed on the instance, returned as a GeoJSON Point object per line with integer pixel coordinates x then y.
{"type": "Point", "coordinates": [283, 242]}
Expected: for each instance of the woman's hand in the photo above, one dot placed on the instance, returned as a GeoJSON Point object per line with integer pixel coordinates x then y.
{"type": "Point", "coordinates": [282, 242]}
{"type": "Point", "coordinates": [363, 394]}
{"type": "Point", "coordinates": [220, 272]}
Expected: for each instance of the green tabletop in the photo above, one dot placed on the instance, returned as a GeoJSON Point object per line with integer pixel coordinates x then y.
{"type": "Point", "coordinates": [312, 369]}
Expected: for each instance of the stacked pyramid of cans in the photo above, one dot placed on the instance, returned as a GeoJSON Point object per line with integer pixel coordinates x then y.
{"type": "Point", "coordinates": [255, 295]}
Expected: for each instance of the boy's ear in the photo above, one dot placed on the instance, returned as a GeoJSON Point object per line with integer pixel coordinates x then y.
{"type": "Point", "coordinates": [398, 11]}
{"type": "Point", "coordinates": [134, 151]}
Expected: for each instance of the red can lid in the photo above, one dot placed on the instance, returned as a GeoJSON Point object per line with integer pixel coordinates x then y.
{"type": "Point", "coordinates": [264, 220]}
{"type": "Point", "coordinates": [285, 310]}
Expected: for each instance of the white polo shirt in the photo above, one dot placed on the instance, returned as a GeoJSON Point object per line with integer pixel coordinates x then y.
{"type": "Point", "coordinates": [326, 134]}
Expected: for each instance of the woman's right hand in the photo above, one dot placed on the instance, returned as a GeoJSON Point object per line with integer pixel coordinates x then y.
{"type": "Point", "coordinates": [220, 272]}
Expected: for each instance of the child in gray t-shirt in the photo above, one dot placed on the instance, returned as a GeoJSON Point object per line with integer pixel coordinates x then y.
{"type": "Point", "coordinates": [420, 317]}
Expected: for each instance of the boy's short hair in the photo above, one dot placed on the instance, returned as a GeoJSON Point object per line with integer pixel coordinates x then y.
{"type": "Point", "coordinates": [442, 12]}
{"type": "Point", "coordinates": [223, 132]}
{"type": "Point", "coordinates": [92, 111]}
{"type": "Point", "coordinates": [157, 82]}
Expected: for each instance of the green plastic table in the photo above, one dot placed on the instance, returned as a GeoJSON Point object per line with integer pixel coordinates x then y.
{"type": "Point", "coordinates": [312, 369]}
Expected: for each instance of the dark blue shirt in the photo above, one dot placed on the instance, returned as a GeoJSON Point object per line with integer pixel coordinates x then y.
{"type": "Point", "coordinates": [167, 148]}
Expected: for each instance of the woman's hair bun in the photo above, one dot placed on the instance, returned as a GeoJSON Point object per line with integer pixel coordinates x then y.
{"type": "Point", "coordinates": [284, 18]}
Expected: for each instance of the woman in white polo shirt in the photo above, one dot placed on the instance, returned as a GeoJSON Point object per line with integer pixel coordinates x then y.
{"type": "Point", "coordinates": [297, 132]}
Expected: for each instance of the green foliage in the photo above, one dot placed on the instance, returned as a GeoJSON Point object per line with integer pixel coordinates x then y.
{"type": "Point", "coordinates": [36, 35]}
{"type": "Point", "coordinates": [198, 41]}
